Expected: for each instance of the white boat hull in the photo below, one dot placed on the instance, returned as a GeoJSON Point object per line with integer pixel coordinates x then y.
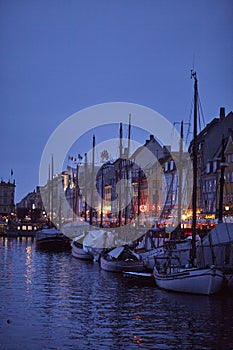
{"type": "Point", "coordinates": [196, 281]}
{"type": "Point", "coordinates": [79, 253]}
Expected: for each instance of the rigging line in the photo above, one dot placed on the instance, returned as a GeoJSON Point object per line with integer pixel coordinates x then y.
{"type": "Point", "coordinates": [201, 110]}
{"type": "Point", "coordinates": [189, 123]}
{"type": "Point", "coordinates": [199, 119]}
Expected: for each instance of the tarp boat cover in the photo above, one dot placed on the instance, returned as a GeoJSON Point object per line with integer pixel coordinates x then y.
{"type": "Point", "coordinates": [222, 233]}
{"type": "Point", "coordinates": [99, 239]}
{"type": "Point", "coordinates": [217, 247]}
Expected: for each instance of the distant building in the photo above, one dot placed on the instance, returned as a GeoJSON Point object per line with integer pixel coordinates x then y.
{"type": "Point", "coordinates": [30, 206]}
{"type": "Point", "coordinates": [208, 160]}
{"type": "Point", "coordinates": [7, 198]}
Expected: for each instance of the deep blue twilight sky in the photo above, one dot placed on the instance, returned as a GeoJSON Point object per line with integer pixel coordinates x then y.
{"type": "Point", "coordinates": [59, 56]}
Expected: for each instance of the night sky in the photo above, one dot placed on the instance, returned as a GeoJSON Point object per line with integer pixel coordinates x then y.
{"type": "Point", "coordinates": [58, 57]}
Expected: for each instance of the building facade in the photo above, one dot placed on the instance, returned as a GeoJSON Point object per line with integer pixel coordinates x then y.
{"type": "Point", "coordinates": [7, 198]}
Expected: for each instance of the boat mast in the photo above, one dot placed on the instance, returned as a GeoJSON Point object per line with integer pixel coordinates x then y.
{"type": "Point", "coordinates": [85, 205]}
{"type": "Point", "coordinates": [139, 195]}
{"type": "Point", "coordinates": [221, 182]}
{"type": "Point", "coordinates": [120, 170]}
{"type": "Point", "coordinates": [180, 177]}
{"type": "Point", "coordinates": [52, 197]}
{"type": "Point", "coordinates": [49, 195]}
{"type": "Point", "coordinates": [102, 196]}
{"type": "Point", "coordinates": [92, 178]}
{"type": "Point", "coordinates": [127, 169]}
{"type": "Point", "coordinates": [194, 195]}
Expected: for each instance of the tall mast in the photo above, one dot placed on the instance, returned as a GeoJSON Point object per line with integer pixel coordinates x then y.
{"type": "Point", "coordinates": [52, 198]}
{"type": "Point", "coordinates": [49, 194]}
{"type": "Point", "coordinates": [139, 194]}
{"type": "Point", "coordinates": [85, 194]}
{"type": "Point", "coordinates": [194, 197]}
{"type": "Point", "coordinates": [92, 178]}
{"type": "Point", "coordinates": [77, 190]}
{"type": "Point", "coordinates": [221, 183]}
{"type": "Point", "coordinates": [180, 177]}
{"type": "Point", "coordinates": [129, 136]}
{"type": "Point", "coordinates": [120, 170]}
{"type": "Point", "coordinates": [127, 170]}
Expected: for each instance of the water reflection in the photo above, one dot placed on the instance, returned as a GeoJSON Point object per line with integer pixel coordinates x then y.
{"type": "Point", "coordinates": [53, 301]}
{"type": "Point", "coordinates": [28, 266]}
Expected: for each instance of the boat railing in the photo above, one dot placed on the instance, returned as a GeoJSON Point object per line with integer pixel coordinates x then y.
{"type": "Point", "coordinates": [165, 264]}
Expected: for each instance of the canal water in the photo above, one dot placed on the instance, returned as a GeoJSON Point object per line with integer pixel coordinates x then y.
{"type": "Point", "coordinates": [54, 301]}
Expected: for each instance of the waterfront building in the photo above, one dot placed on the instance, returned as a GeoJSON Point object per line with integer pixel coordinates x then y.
{"type": "Point", "coordinates": [30, 207]}
{"type": "Point", "coordinates": [208, 161]}
{"type": "Point", "coordinates": [148, 182]}
{"type": "Point", "coordinates": [7, 198]}
{"type": "Point", "coordinates": [228, 188]}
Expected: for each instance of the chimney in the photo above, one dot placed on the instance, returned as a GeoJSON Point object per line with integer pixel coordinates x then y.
{"type": "Point", "coordinates": [222, 113]}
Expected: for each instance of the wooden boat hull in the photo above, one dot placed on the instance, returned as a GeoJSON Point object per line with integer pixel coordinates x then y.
{"type": "Point", "coordinates": [119, 265]}
{"type": "Point", "coordinates": [53, 244]}
{"type": "Point", "coordinates": [52, 240]}
{"type": "Point", "coordinates": [196, 281]}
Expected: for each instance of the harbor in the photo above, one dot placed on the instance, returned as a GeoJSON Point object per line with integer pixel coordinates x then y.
{"type": "Point", "coordinates": [53, 301]}
{"type": "Point", "coordinates": [116, 175]}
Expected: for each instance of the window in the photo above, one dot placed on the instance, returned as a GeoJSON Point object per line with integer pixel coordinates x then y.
{"type": "Point", "coordinates": [208, 168]}
{"type": "Point", "coordinates": [172, 165]}
{"type": "Point", "coordinates": [214, 166]}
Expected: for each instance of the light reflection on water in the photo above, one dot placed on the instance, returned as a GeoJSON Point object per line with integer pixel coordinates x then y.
{"type": "Point", "coordinates": [53, 301]}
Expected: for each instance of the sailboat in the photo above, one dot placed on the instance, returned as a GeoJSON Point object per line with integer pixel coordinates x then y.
{"type": "Point", "coordinates": [191, 279]}
{"type": "Point", "coordinates": [51, 238]}
{"type": "Point", "coordinates": [217, 246]}
{"type": "Point", "coordinates": [121, 258]}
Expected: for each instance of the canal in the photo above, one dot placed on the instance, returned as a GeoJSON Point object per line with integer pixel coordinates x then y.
{"type": "Point", "coordinates": [54, 301]}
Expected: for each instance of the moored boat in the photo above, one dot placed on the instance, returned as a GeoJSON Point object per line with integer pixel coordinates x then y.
{"type": "Point", "coordinates": [77, 250]}
{"type": "Point", "coordinates": [207, 280]}
{"type": "Point", "coordinates": [121, 259]}
{"type": "Point", "coordinates": [192, 280]}
{"type": "Point", "coordinates": [217, 248]}
{"type": "Point", "coordinates": [52, 239]}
